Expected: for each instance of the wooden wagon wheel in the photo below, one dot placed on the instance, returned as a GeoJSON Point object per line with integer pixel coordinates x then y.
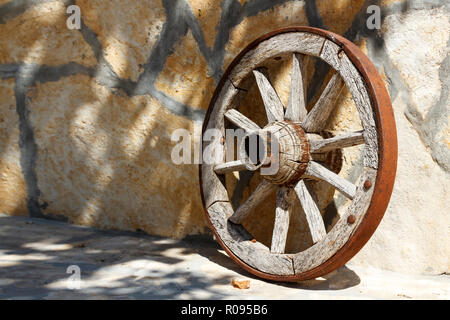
{"type": "Point", "coordinates": [297, 135]}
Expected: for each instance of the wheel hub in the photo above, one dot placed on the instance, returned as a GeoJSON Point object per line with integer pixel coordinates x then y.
{"type": "Point", "coordinates": [286, 152]}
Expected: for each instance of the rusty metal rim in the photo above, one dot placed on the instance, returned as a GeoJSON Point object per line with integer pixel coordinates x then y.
{"type": "Point", "coordinates": [387, 140]}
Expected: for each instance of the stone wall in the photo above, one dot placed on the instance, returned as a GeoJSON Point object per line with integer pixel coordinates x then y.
{"type": "Point", "coordinates": [86, 116]}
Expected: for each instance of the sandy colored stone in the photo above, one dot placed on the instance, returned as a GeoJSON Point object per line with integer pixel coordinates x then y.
{"type": "Point", "coordinates": [40, 35]}
{"type": "Point", "coordinates": [280, 75]}
{"type": "Point", "coordinates": [282, 15]}
{"type": "Point", "coordinates": [413, 236]}
{"type": "Point", "coordinates": [208, 14]}
{"type": "Point", "coordinates": [344, 119]}
{"type": "Point", "coordinates": [186, 76]}
{"type": "Point", "coordinates": [390, 2]}
{"type": "Point", "coordinates": [127, 31]}
{"type": "Point", "coordinates": [444, 136]}
{"type": "Point", "coordinates": [105, 160]}
{"type": "Point", "coordinates": [13, 188]}
{"type": "Point", "coordinates": [416, 42]}
{"type": "Point", "coordinates": [338, 16]}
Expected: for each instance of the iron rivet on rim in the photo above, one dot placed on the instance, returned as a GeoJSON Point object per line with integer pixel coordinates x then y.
{"type": "Point", "coordinates": [351, 219]}
{"type": "Point", "coordinates": [367, 184]}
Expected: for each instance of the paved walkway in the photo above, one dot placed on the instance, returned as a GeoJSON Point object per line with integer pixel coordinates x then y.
{"type": "Point", "coordinates": [35, 256]}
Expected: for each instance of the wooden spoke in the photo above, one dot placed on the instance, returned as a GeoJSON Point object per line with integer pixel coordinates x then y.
{"type": "Point", "coordinates": [261, 192]}
{"type": "Point", "coordinates": [296, 109]}
{"type": "Point", "coordinates": [231, 166]}
{"type": "Point", "coordinates": [338, 142]}
{"type": "Point", "coordinates": [312, 212]}
{"type": "Point", "coordinates": [319, 114]}
{"type": "Point", "coordinates": [318, 171]}
{"type": "Point", "coordinates": [272, 103]}
{"type": "Point", "coordinates": [241, 121]}
{"type": "Point", "coordinates": [282, 217]}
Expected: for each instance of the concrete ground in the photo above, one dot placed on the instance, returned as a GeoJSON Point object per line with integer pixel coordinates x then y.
{"type": "Point", "coordinates": [36, 255]}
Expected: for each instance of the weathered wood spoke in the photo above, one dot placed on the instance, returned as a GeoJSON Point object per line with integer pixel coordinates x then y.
{"type": "Point", "coordinates": [319, 114]}
{"type": "Point", "coordinates": [318, 171]}
{"type": "Point", "coordinates": [231, 166]}
{"type": "Point", "coordinates": [272, 103]}
{"type": "Point", "coordinates": [312, 212]}
{"type": "Point", "coordinates": [262, 191]}
{"type": "Point", "coordinates": [241, 121]}
{"type": "Point", "coordinates": [282, 217]}
{"type": "Point", "coordinates": [338, 142]}
{"type": "Point", "coordinates": [296, 109]}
